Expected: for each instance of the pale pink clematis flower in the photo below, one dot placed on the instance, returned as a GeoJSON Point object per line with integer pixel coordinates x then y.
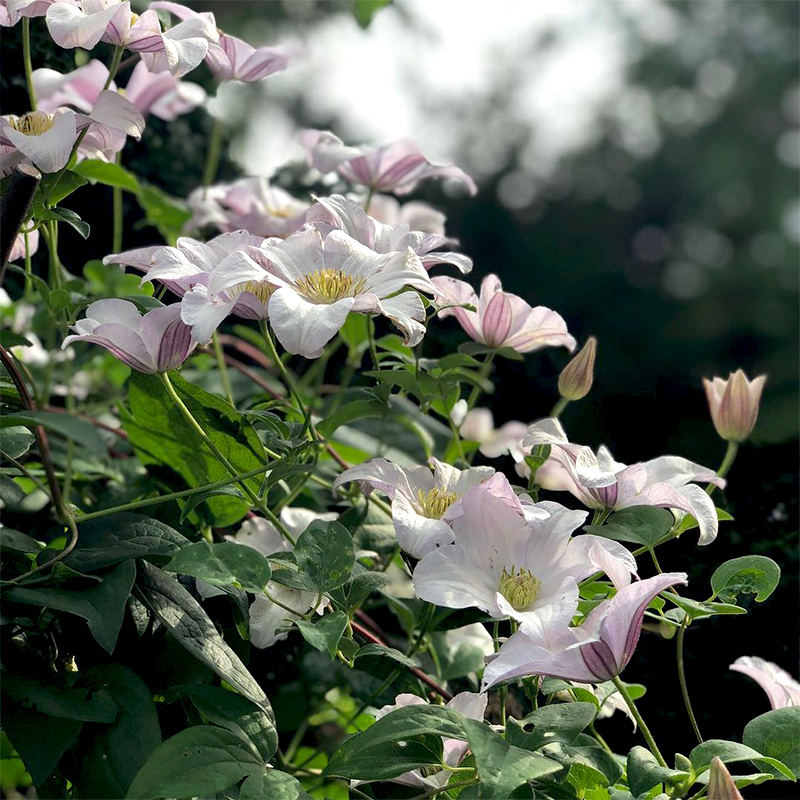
{"type": "Point", "coordinates": [12, 11]}
{"type": "Point", "coordinates": [721, 785]}
{"type": "Point", "coordinates": [470, 705]}
{"type": "Point", "coordinates": [417, 215]}
{"type": "Point", "coordinates": [600, 482]}
{"type": "Point", "coordinates": [425, 500]}
{"type": "Point", "coordinates": [157, 341]}
{"type": "Point", "coordinates": [501, 319]}
{"type": "Point", "coordinates": [178, 50]}
{"type": "Point", "coordinates": [232, 59]}
{"type": "Point", "coordinates": [478, 426]}
{"type": "Point", "coordinates": [18, 248]}
{"type": "Point", "coordinates": [160, 94]}
{"type": "Point", "coordinates": [597, 650]}
{"type": "Point", "coordinates": [317, 283]}
{"type": "Point", "coordinates": [396, 167]}
{"type": "Point", "coordinates": [46, 140]}
{"type": "Point", "coordinates": [515, 560]}
{"type": "Point", "coordinates": [781, 688]}
{"type": "Point", "coordinates": [252, 204]}
{"type": "Point", "coordinates": [337, 212]}
{"type": "Point", "coordinates": [733, 404]}
{"type": "Point", "coordinates": [269, 623]}
{"type": "Point", "coordinates": [187, 269]}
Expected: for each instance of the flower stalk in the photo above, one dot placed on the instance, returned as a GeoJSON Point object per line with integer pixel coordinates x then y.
{"type": "Point", "coordinates": [648, 737]}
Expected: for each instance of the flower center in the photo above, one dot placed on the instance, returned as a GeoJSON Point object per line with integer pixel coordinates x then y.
{"type": "Point", "coordinates": [435, 502]}
{"type": "Point", "coordinates": [34, 123]}
{"type": "Point", "coordinates": [329, 285]}
{"type": "Point", "coordinates": [260, 289]}
{"type": "Point", "coordinates": [519, 588]}
{"type": "Point", "coordinates": [134, 19]}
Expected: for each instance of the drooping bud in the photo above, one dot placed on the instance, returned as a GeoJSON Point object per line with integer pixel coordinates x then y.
{"type": "Point", "coordinates": [720, 783]}
{"type": "Point", "coordinates": [734, 403]}
{"type": "Point", "coordinates": [577, 377]}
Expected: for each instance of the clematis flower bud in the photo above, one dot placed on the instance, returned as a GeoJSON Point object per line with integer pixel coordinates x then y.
{"type": "Point", "coordinates": [156, 342]}
{"type": "Point", "coordinates": [720, 782]}
{"type": "Point", "coordinates": [734, 404]}
{"type": "Point", "coordinates": [576, 379]}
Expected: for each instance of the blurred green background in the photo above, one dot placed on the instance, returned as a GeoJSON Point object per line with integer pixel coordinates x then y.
{"type": "Point", "coordinates": [638, 164]}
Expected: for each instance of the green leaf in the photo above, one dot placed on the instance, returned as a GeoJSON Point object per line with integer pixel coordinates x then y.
{"type": "Point", "coordinates": [502, 766]}
{"type": "Point", "coordinates": [371, 527]}
{"type": "Point", "coordinates": [585, 751]}
{"type": "Point", "coordinates": [39, 739]}
{"type": "Point", "coordinates": [777, 734]}
{"type": "Point", "coordinates": [224, 564]}
{"type": "Point", "coordinates": [110, 756]}
{"type": "Point", "coordinates": [324, 553]}
{"type": "Point", "coordinates": [102, 606]}
{"type": "Point", "coordinates": [108, 540]}
{"type": "Point", "coordinates": [365, 10]}
{"type": "Point", "coordinates": [561, 722]}
{"type": "Point", "coordinates": [64, 186]}
{"type": "Point", "coordinates": [10, 339]}
{"type": "Point", "coordinates": [160, 434]}
{"type": "Point", "coordinates": [349, 412]}
{"type": "Point", "coordinates": [197, 761]}
{"type": "Point", "coordinates": [644, 772]}
{"type": "Point", "coordinates": [696, 609]}
{"type": "Point", "coordinates": [18, 542]}
{"type": "Point", "coordinates": [585, 778]}
{"type": "Point", "coordinates": [375, 649]}
{"type": "Point", "coordinates": [97, 171]}
{"type": "Point", "coordinates": [16, 441]}
{"type": "Point", "coordinates": [395, 744]}
{"type": "Point", "coordinates": [58, 700]}
{"type": "Point", "coordinates": [236, 714]}
{"type": "Point", "coordinates": [83, 433]}
{"type": "Point", "coordinates": [729, 752]}
{"type": "Point", "coordinates": [70, 218]}
{"type": "Point", "coordinates": [325, 633]}
{"type": "Point", "coordinates": [756, 575]}
{"type": "Point", "coordinates": [167, 214]}
{"type": "Point", "coordinates": [272, 784]}
{"type": "Point", "coordinates": [185, 618]}
{"type": "Point", "coordinates": [645, 525]}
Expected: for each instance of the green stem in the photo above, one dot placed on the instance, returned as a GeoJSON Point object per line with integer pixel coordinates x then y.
{"type": "Point", "coordinates": [368, 201]}
{"type": "Point", "coordinates": [116, 202]}
{"type": "Point", "coordinates": [373, 350]}
{"type": "Point", "coordinates": [559, 407]}
{"type": "Point", "coordinates": [727, 463]}
{"type": "Point", "coordinates": [214, 154]}
{"type": "Point", "coordinates": [26, 54]}
{"type": "Point", "coordinates": [253, 497]}
{"type": "Point", "coordinates": [682, 679]}
{"type": "Point", "coordinates": [28, 265]}
{"type": "Point", "coordinates": [272, 352]}
{"type": "Point", "coordinates": [476, 392]}
{"type": "Point", "coordinates": [655, 561]}
{"type": "Point", "coordinates": [223, 369]}
{"type": "Point", "coordinates": [600, 740]}
{"type": "Point", "coordinates": [165, 498]}
{"type": "Point", "coordinates": [648, 737]}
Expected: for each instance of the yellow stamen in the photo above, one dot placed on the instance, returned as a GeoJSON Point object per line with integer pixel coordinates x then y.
{"type": "Point", "coordinates": [519, 588]}
{"type": "Point", "coordinates": [260, 289]}
{"type": "Point", "coordinates": [435, 502]}
{"type": "Point", "coordinates": [34, 123]}
{"type": "Point", "coordinates": [329, 285]}
{"type": "Point", "coordinates": [134, 19]}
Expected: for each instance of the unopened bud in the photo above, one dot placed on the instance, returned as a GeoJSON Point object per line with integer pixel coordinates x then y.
{"type": "Point", "coordinates": [733, 404]}
{"type": "Point", "coordinates": [720, 783]}
{"type": "Point", "coordinates": [577, 377]}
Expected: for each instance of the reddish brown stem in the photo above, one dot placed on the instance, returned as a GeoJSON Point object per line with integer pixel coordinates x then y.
{"type": "Point", "coordinates": [426, 679]}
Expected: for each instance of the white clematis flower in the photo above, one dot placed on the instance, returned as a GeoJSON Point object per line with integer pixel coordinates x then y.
{"type": "Point", "coordinates": [515, 560]}
{"type": "Point", "coordinates": [425, 500]}
{"type": "Point", "coordinates": [317, 283]}
{"type": "Point", "coordinates": [598, 481]}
